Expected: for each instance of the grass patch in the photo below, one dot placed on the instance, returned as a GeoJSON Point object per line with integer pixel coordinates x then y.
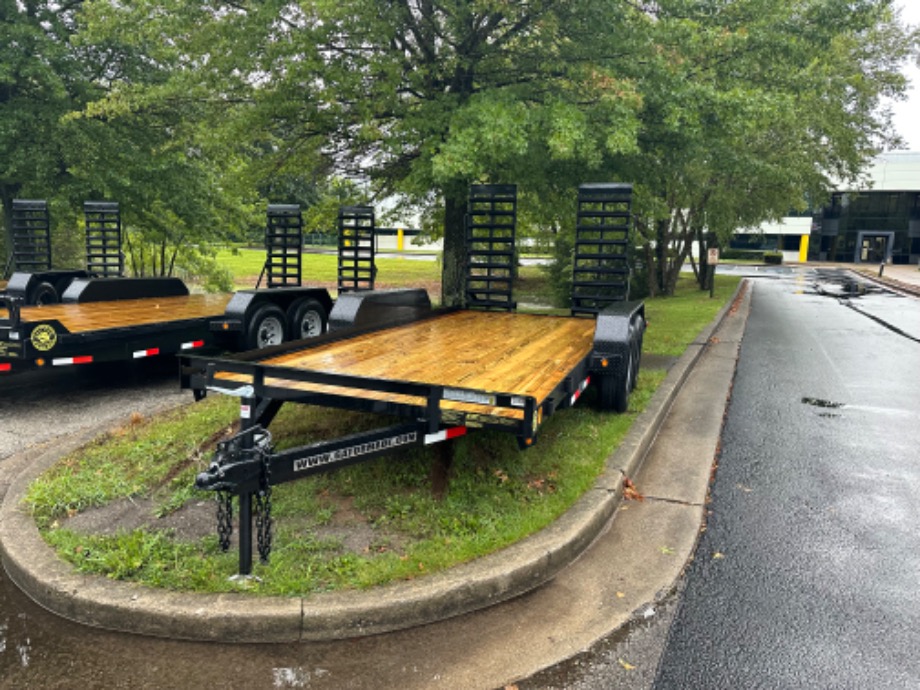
{"type": "Point", "coordinates": [354, 528]}
{"type": "Point", "coordinates": [404, 271]}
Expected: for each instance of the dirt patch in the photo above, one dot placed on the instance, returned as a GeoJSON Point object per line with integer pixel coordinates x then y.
{"type": "Point", "coordinates": [197, 519]}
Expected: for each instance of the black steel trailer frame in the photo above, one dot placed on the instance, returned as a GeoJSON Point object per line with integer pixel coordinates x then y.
{"type": "Point", "coordinates": [436, 410]}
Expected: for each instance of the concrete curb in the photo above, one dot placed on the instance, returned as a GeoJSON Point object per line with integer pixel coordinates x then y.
{"type": "Point", "coordinates": [96, 601]}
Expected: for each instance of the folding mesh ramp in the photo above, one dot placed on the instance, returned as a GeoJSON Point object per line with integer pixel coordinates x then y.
{"type": "Point", "coordinates": [490, 228]}
{"type": "Point", "coordinates": [283, 240]}
{"type": "Point", "coordinates": [600, 274]}
{"type": "Point", "coordinates": [103, 239]}
{"type": "Point", "coordinates": [356, 248]}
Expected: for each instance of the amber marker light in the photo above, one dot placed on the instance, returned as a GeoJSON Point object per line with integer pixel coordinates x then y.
{"type": "Point", "coordinates": [604, 363]}
{"type": "Point", "coordinates": [40, 362]}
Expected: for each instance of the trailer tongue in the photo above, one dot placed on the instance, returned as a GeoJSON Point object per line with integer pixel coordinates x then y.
{"type": "Point", "coordinates": [442, 371]}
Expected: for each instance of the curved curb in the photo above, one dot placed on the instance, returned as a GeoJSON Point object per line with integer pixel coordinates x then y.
{"type": "Point", "coordinates": [93, 600]}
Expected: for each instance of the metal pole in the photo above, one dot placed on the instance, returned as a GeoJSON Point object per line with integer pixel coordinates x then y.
{"type": "Point", "coordinates": [712, 279]}
{"type": "Point", "coordinates": [245, 534]}
{"type": "Point", "coordinates": [247, 407]}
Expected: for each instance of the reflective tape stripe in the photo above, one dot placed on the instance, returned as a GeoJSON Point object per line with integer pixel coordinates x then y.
{"type": "Point", "coordinates": [151, 352]}
{"type": "Point", "coordinates": [6, 367]}
{"type": "Point", "coordinates": [445, 434]}
{"type": "Point", "coordinates": [581, 389]}
{"type": "Point", "coordinates": [192, 345]}
{"type": "Point", "coordinates": [64, 361]}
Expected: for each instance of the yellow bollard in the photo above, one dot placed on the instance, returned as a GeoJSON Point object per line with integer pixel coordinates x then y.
{"type": "Point", "coordinates": [400, 239]}
{"type": "Point", "coordinates": [803, 250]}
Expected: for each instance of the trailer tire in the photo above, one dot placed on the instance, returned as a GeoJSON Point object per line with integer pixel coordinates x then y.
{"type": "Point", "coordinates": [44, 293]}
{"type": "Point", "coordinates": [614, 390]}
{"type": "Point", "coordinates": [267, 327]}
{"type": "Point", "coordinates": [306, 319]}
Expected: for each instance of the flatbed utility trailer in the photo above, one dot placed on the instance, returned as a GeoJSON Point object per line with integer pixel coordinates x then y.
{"type": "Point", "coordinates": [121, 319]}
{"type": "Point", "coordinates": [442, 371]}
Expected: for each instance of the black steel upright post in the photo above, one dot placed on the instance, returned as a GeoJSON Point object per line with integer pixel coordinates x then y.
{"type": "Point", "coordinates": [247, 413]}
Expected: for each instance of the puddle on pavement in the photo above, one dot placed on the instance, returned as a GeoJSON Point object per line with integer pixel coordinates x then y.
{"type": "Point", "coordinates": [820, 402]}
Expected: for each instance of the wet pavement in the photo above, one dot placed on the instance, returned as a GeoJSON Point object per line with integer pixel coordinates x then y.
{"type": "Point", "coordinates": [806, 575]}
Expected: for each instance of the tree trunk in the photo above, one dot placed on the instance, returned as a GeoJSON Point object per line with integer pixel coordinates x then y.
{"type": "Point", "coordinates": [453, 271]}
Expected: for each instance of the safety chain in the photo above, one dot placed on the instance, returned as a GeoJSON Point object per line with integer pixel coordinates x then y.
{"type": "Point", "coordinates": [264, 506]}
{"type": "Point", "coordinates": [224, 519]}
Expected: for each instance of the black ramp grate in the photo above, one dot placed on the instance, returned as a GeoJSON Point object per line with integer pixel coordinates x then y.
{"type": "Point", "coordinates": [491, 220]}
{"type": "Point", "coordinates": [601, 270]}
{"type": "Point", "coordinates": [103, 239]}
{"type": "Point", "coordinates": [31, 228]}
{"type": "Point", "coordinates": [356, 248]}
{"type": "Point", "coordinates": [283, 240]}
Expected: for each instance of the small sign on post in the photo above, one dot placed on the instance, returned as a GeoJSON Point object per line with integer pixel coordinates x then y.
{"type": "Point", "coordinates": [712, 259]}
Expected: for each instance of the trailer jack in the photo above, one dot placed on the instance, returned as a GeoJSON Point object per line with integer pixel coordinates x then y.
{"type": "Point", "coordinates": [246, 466]}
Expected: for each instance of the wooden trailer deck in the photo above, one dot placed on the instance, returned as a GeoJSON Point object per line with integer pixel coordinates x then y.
{"type": "Point", "coordinates": [97, 316]}
{"type": "Point", "coordinates": [518, 354]}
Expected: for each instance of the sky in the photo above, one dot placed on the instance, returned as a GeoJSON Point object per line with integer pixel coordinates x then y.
{"type": "Point", "coordinates": [907, 113]}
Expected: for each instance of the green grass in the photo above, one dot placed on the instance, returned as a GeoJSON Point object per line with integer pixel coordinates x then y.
{"type": "Point", "coordinates": [674, 322]}
{"type": "Point", "coordinates": [496, 494]}
{"type": "Point", "coordinates": [246, 264]}
{"type": "Point", "coordinates": [405, 271]}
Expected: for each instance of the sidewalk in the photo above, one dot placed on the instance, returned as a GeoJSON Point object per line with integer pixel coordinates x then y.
{"type": "Point", "coordinates": [900, 277]}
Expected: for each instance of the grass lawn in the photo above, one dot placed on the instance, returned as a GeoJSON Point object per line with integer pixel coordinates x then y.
{"type": "Point", "coordinates": [356, 527]}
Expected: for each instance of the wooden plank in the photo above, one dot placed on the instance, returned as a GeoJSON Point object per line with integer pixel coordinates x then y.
{"type": "Point", "coordinates": [95, 316]}
{"type": "Point", "coordinates": [521, 354]}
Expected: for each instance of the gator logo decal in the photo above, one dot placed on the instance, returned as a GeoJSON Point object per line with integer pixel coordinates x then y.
{"type": "Point", "coordinates": [43, 337]}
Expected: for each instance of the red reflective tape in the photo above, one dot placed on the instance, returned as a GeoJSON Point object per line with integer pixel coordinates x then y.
{"type": "Point", "coordinates": [445, 434]}
{"type": "Point", "coordinates": [581, 389]}
{"type": "Point", "coordinates": [6, 367]}
{"type": "Point", "coordinates": [64, 361]}
{"type": "Point", "coordinates": [192, 345]}
{"type": "Point", "coordinates": [150, 352]}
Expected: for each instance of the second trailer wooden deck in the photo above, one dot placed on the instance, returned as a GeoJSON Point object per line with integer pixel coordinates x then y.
{"type": "Point", "coordinates": [99, 316]}
{"type": "Point", "coordinates": [523, 355]}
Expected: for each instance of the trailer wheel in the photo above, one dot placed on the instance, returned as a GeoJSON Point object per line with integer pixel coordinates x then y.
{"type": "Point", "coordinates": [614, 390]}
{"type": "Point", "coordinates": [266, 327]}
{"type": "Point", "coordinates": [44, 293]}
{"type": "Point", "coordinates": [306, 319]}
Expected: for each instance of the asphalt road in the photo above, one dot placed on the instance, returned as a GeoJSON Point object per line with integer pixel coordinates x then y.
{"type": "Point", "coordinates": [807, 574]}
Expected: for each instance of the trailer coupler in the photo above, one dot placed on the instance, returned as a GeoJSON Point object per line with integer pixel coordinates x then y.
{"type": "Point", "coordinates": [239, 463]}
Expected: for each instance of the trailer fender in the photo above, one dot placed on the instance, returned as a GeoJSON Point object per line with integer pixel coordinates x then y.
{"type": "Point", "coordinates": [371, 308]}
{"type": "Point", "coordinates": [617, 353]}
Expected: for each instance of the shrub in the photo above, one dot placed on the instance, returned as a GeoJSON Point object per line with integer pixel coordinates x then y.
{"type": "Point", "coordinates": [773, 257]}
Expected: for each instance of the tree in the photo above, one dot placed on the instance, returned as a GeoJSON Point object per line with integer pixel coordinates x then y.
{"type": "Point", "coordinates": [750, 109]}
{"type": "Point", "coordinates": [40, 81]}
{"type": "Point", "coordinates": [417, 97]}
{"type": "Point", "coordinates": [54, 144]}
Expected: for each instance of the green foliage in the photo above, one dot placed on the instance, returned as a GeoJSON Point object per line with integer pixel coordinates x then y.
{"type": "Point", "coordinates": [749, 109]}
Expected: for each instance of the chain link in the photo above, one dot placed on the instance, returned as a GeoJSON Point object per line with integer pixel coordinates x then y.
{"type": "Point", "coordinates": [264, 509]}
{"type": "Point", "coordinates": [224, 519]}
